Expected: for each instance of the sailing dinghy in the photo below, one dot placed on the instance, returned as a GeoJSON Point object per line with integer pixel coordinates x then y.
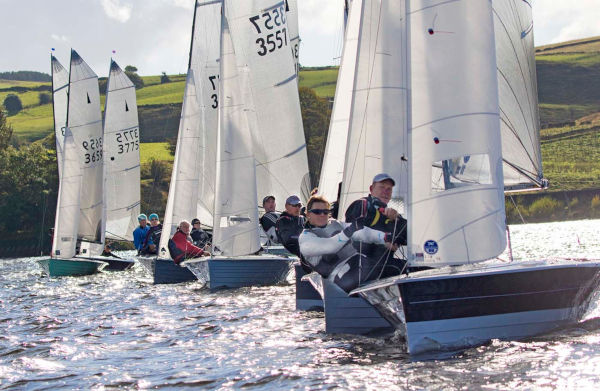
{"type": "Point", "coordinates": [260, 142]}
{"type": "Point", "coordinates": [79, 207]}
{"type": "Point", "coordinates": [455, 94]}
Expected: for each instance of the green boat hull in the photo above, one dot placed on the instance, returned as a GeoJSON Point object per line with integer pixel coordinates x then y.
{"type": "Point", "coordinates": [54, 267]}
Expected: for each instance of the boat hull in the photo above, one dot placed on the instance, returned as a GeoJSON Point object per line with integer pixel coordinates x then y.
{"type": "Point", "coordinates": [307, 297]}
{"type": "Point", "coordinates": [346, 314]}
{"type": "Point", "coordinates": [235, 272]}
{"type": "Point", "coordinates": [165, 271]}
{"type": "Point", "coordinates": [468, 308]}
{"type": "Point", "coordinates": [55, 267]}
{"type": "Point", "coordinates": [116, 264]}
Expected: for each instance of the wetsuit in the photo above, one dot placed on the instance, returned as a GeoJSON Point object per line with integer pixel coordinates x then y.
{"type": "Point", "coordinates": [268, 221]}
{"type": "Point", "coordinates": [288, 228]}
{"type": "Point", "coordinates": [139, 235]}
{"type": "Point", "coordinates": [200, 237]}
{"type": "Point", "coordinates": [152, 237]}
{"type": "Point", "coordinates": [180, 248]}
{"type": "Point", "coordinates": [330, 252]}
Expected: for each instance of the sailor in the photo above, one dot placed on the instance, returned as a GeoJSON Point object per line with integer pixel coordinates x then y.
{"type": "Point", "coordinates": [180, 246]}
{"type": "Point", "coordinates": [269, 219]}
{"type": "Point", "coordinates": [199, 237]}
{"type": "Point", "coordinates": [290, 224]}
{"type": "Point", "coordinates": [139, 234]}
{"type": "Point", "coordinates": [373, 208]}
{"type": "Point", "coordinates": [152, 239]}
{"type": "Point", "coordinates": [329, 247]}
{"type": "Point", "coordinates": [108, 251]}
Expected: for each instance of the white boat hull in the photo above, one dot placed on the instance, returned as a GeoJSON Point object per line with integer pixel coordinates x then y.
{"type": "Point", "coordinates": [453, 308]}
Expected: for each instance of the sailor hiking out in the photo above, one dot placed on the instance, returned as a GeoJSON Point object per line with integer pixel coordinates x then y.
{"type": "Point", "coordinates": [290, 224]}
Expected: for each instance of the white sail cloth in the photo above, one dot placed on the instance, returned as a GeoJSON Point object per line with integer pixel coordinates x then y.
{"type": "Point", "coordinates": [235, 228]}
{"type": "Point", "coordinates": [261, 41]}
{"type": "Point", "coordinates": [121, 156]}
{"type": "Point", "coordinates": [455, 135]}
{"type": "Point", "coordinates": [192, 188]}
{"type": "Point", "coordinates": [66, 222]}
{"type": "Point", "coordinates": [332, 169]}
{"type": "Point", "coordinates": [84, 119]}
{"type": "Point", "coordinates": [377, 137]}
{"type": "Point", "coordinates": [517, 85]}
{"type": "Point", "coordinates": [60, 100]}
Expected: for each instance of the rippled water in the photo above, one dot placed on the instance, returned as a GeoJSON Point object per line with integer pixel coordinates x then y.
{"type": "Point", "coordinates": [117, 330]}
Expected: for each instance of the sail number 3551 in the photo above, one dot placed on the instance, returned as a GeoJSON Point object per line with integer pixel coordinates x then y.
{"type": "Point", "coordinates": [271, 25]}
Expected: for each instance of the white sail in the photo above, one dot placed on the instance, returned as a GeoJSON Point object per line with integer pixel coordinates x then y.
{"type": "Point", "coordinates": [377, 140]}
{"type": "Point", "coordinates": [66, 223]}
{"type": "Point", "coordinates": [291, 11]}
{"type": "Point", "coordinates": [332, 169]}
{"type": "Point", "coordinates": [84, 119]}
{"type": "Point", "coordinates": [235, 228]}
{"type": "Point", "coordinates": [121, 156]}
{"type": "Point", "coordinates": [60, 99]}
{"type": "Point", "coordinates": [261, 42]}
{"type": "Point", "coordinates": [517, 85]}
{"type": "Point", "coordinates": [456, 203]}
{"type": "Point", "coordinates": [192, 188]}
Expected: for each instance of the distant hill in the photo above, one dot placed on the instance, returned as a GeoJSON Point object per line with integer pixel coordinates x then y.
{"type": "Point", "coordinates": [25, 76]}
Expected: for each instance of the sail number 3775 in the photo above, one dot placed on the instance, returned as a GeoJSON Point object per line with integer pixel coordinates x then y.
{"type": "Point", "coordinates": [271, 26]}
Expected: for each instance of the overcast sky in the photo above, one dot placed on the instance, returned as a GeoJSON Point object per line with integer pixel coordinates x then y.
{"type": "Point", "coordinates": [154, 35]}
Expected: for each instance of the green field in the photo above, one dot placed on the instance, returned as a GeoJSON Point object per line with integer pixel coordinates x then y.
{"type": "Point", "coordinates": [161, 94]}
{"type": "Point", "coordinates": [157, 151]}
{"type": "Point", "coordinates": [321, 80]}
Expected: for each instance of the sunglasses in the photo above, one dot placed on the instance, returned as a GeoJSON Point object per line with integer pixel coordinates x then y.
{"type": "Point", "coordinates": [319, 211]}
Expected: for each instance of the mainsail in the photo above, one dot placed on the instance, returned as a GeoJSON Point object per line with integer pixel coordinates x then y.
{"type": "Point", "coordinates": [84, 119]}
{"type": "Point", "coordinates": [235, 228]}
{"type": "Point", "coordinates": [332, 169]}
{"type": "Point", "coordinates": [66, 223]}
{"type": "Point", "coordinates": [121, 156]}
{"type": "Point", "coordinates": [261, 41]}
{"type": "Point", "coordinates": [377, 138]}
{"type": "Point", "coordinates": [291, 15]}
{"type": "Point", "coordinates": [192, 188]}
{"type": "Point", "coordinates": [60, 100]}
{"type": "Point", "coordinates": [517, 85]}
{"type": "Point", "coordinates": [456, 201]}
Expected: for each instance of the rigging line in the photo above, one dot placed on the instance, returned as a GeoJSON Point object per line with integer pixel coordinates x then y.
{"type": "Point", "coordinates": [514, 132]}
{"type": "Point", "coordinates": [118, 236]}
{"type": "Point", "coordinates": [529, 93]}
{"type": "Point", "coordinates": [455, 116]}
{"type": "Point", "coordinates": [517, 209]}
{"type": "Point", "coordinates": [524, 172]}
{"type": "Point", "coordinates": [473, 221]}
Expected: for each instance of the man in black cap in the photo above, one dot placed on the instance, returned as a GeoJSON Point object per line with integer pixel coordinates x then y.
{"type": "Point", "coordinates": [200, 237]}
{"type": "Point", "coordinates": [373, 210]}
{"type": "Point", "coordinates": [290, 225]}
{"type": "Point", "coordinates": [108, 251]}
{"type": "Point", "coordinates": [268, 220]}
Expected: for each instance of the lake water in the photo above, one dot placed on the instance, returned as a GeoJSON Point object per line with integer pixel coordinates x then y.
{"type": "Point", "coordinates": [117, 330]}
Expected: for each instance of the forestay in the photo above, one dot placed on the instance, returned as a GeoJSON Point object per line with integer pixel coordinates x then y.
{"type": "Point", "coordinates": [261, 40]}
{"type": "Point", "coordinates": [66, 222]}
{"type": "Point", "coordinates": [377, 140]}
{"type": "Point", "coordinates": [121, 156]}
{"type": "Point", "coordinates": [456, 204]}
{"type": "Point", "coordinates": [60, 86]}
{"type": "Point", "coordinates": [332, 169]}
{"type": "Point", "coordinates": [84, 119]}
{"type": "Point", "coordinates": [192, 187]}
{"type": "Point", "coordinates": [517, 85]}
{"type": "Point", "coordinates": [235, 228]}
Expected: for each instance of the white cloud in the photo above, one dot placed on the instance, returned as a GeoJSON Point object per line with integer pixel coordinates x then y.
{"type": "Point", "coordinates": [116, 11]}
{"type": "Point", "coordinates": [60, 38]}
{"type": "Point", "coordinates": [558, 21]}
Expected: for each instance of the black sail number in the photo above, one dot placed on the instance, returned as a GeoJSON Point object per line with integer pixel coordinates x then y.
{"type": "Point", "coordinates": [93, 150]}
{"type": "Point", "coordinates": [270, 26]}
{"type": "Point", "coordinates": [127, 141]}
{"type": "Point", "coordinates": [215, 98]}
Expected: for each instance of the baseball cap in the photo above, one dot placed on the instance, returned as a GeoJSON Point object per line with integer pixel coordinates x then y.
{"type": "Point", "coordinates": [382, 177]}
{"type": "Point", "coordinates": [267, 198]}
{"type": "Point", "coordinates": [293, 200]}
